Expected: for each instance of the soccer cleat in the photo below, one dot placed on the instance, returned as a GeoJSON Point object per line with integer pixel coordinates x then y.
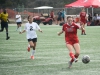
{"type": "Point", "coordinates": [32, 57]}
{"type": "Point", "coordinates": [28, 49]}
{"type": "Point", "coordinates": [84, 34]}
{"type": "Point", "coordinates": [7, 38]}
{"type": "Point", "coordinates": [75, 60]}
{"type": "Point", "coordinates": [70, 64]}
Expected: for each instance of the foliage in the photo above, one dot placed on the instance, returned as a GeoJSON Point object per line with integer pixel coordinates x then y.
{"type": "Point", "coordinates": [33, 3]}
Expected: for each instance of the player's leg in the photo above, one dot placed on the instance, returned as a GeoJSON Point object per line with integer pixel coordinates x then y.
{"type": "Point", "coordinates": [71, 54]}
{"type": "Point", "coordinates": [17, 26]}
{"type": "Point", "coordinates": [31, 44]}
{"type": "Point", "coordinates": [84, 29]}
{"type": "Point", "coordinates": [34, 45]}
{"type": "Point", "coordinates": [57, 20]}
{"type": "Point", "coordinates": [70, 48]}
{"type": "Point", "coordinates": [20, 29]}
{"type": "Point", "coordinates": [33, 51]}
{"type": "Point", "coordinates": [62, 19]}
{"type": "Point", "coordinates": [6, 27]}
{"type": "Point", "coordinates": [34, 48]}
{"type": "Point", "coordinates": [77, 49]}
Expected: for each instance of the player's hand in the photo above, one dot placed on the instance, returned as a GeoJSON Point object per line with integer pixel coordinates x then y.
{"type": "Point", "coordinates": [40, 31]}
{"type": "Point", "coordinates": [8, 21]}
{"type": "Point", "coordinates": [83, 29]}
{"type": "Point", "coordinates": [58, 33]}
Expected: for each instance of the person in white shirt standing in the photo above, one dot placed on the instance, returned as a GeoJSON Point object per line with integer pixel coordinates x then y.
{"type": "Point", "coordinates": [18, 21]}
{"type": "Point", "coordinates": [31, 28]}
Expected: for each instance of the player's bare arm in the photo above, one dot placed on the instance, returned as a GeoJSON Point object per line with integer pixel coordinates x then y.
{"type": "Point", "coordinates": [8, 20]}
{"type": "Point", "coordinates": [22, 32]}
{"type": "Point", "coordinates": [59, 33]}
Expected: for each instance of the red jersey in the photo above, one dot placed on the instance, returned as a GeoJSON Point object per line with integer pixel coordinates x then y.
{"type": "Point", "coordinates": [71, 33]}
{"type": "Point", "coordinates": [83, 17]}
{"type": "Point", "coordinates": [52, 14]}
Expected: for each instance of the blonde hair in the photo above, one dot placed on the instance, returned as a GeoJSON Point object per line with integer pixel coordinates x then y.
{"type": "Point", "coordinates": [83, 9]}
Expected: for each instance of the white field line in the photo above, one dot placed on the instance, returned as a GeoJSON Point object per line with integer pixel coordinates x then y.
{"type": "Point", "coordinates": [34, 65]}
{"type": "Point", "coordinates": [47, 64]}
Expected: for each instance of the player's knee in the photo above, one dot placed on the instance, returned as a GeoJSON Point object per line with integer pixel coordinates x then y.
{"type": "Point", "coordinates": [31, 46]}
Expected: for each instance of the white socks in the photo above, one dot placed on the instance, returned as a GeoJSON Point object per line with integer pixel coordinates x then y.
{"type": "Point", "coordinates": [20, 29]}
{"type": "Point", "coordinates": [33, 51]}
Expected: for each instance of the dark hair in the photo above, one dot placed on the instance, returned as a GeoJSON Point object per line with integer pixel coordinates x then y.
{"type": "Point", "coordinates": [4, 11]}
{"type": "Point", "coordinates": [28, 17]}
{"type": "Point", "coordinates": [69, 17]}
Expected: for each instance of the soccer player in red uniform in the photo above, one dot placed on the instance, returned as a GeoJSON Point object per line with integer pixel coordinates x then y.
{"type": "Point", "coordinates": [71, 39]}
{"type": "Point", "coordinates": [52, 14]}
{"type": "Point", "coordinates": [83, 20]}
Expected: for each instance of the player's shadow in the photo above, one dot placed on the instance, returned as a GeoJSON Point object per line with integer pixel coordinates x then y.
{"type": "Point", "coordinates": [14, 61]}
{"type": "Point", "coordinates": [67, 69]}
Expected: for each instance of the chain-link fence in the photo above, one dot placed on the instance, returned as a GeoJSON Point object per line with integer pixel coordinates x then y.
{"type": "Point", "coordinates": [31, 11]}
{"type": "Point", "coordinates": [37, 12]}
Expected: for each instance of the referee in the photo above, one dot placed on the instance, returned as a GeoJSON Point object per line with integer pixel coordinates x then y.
{"type": "Point", "coordinates": [4, 22]}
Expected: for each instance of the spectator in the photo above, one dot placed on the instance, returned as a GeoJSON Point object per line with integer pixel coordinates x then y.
{"type": "Point", "coordinates": [94, 18]}
{"type": "Point", "coordinates": [63, 15]}
{"type": "Point", "coordinates": [59, 17]}
{"type": "Point", "coordinates": [89, 17]}
{"type": "Point", "coordinates": [52, 14]}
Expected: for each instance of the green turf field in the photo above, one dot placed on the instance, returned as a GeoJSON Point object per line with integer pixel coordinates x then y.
{"type": "Point", "coordinates": [51, 57]}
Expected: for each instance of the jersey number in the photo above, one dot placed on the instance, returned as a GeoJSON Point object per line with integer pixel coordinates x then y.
{"type": "Point", "coordinates": [31, 28]}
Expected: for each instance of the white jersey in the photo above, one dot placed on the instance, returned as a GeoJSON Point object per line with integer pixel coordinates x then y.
{"type": "Point", "coordinates": [31, 30]}
{"type": "Point", "coordinates": [19, 18]}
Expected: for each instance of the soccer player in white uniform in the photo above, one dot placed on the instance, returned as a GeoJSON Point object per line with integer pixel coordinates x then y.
{"type": "Point", "coordinates": [18, 21]}
{"type": "Point", "coordinates": [31, 28]}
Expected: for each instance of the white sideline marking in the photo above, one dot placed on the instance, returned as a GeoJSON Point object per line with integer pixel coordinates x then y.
{"type": "Point", "coordinates": [44, 64]}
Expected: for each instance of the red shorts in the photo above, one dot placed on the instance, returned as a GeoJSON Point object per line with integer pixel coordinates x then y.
{"type": "Point", "coordinates": [72, 42]}
{"type": "Point", "coordinates": [83, 22]}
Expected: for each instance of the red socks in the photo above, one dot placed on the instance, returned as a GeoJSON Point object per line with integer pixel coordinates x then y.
{"type": "Point", "coordinates": [71, 55]}
{"type": "Point", "coordinates": [76, 56]}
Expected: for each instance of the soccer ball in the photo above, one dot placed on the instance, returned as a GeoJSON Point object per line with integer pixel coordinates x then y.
{"type": "Point", "coordinates": [85, 59]}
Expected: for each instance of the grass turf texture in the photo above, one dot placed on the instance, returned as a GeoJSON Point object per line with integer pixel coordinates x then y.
{"type": "Point", "coordinates": [51, 57]}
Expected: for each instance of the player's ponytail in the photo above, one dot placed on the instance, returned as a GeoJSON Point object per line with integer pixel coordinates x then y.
{"type": "Point", "coordinates": [28, 17]}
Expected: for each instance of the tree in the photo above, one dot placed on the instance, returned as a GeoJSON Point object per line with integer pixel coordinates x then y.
{"type": "Point", "coordinates": [34, 3]}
